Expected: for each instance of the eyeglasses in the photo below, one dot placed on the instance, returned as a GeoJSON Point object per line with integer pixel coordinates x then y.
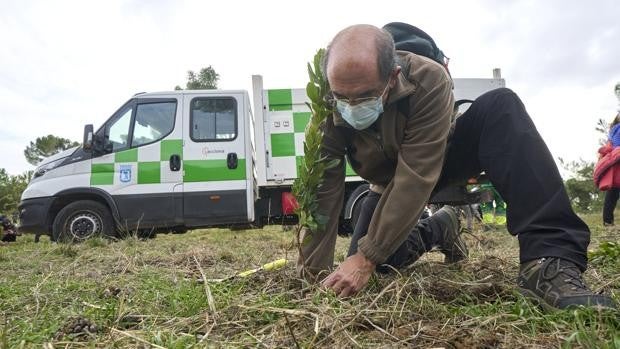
{"type": "Point", "coordinates": [332, 100]}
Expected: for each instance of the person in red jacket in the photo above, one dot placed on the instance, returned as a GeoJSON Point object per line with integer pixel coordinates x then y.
{"type": "Point", "coordinates": [611, 196]}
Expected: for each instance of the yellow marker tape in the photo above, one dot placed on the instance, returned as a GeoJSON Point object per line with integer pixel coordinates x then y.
{"type": "Point", "coordinates": [277, 264]}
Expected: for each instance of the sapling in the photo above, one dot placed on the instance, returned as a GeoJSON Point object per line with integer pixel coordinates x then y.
{"type": "Point", "coordinates": [310, 170]}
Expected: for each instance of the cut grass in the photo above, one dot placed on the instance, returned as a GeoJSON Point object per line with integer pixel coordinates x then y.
{"type": "Point", "coordinates": [152, 292]}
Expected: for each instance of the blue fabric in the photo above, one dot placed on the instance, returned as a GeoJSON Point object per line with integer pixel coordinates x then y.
{"type": "Point", "coordinates": [614, 136]}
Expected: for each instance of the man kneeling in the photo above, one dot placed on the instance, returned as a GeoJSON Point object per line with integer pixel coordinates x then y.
{"type": "Point", "coordinates": [405, 157]}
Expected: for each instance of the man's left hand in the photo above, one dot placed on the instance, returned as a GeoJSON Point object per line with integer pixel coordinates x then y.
{"type": "Point", "coordinates": [351, 276]}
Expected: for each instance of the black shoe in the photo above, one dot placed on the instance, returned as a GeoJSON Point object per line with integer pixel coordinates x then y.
{"type": "Point", "coordinates": [451, 243]}
{"type": "Point", "coordinates": [557, 284]}
{"type": "Point", "coordinates": [442, 230]}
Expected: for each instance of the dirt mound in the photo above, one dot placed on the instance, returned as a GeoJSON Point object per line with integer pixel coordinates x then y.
{"type": "Point", "coordinates": [77, 328]}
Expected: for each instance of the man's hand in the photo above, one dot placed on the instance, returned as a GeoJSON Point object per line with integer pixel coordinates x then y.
{"type": "Point", "coordinates": [351, 276]}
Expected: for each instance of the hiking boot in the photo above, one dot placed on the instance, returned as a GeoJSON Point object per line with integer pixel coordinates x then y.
{"type": "Point", "coordinates": [556, 283]}
{"type": "Point", "coordinates": [451, 244]}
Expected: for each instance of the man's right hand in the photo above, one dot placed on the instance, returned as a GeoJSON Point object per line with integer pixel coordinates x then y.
{"type": "Point", "coordinates": [351, 276]}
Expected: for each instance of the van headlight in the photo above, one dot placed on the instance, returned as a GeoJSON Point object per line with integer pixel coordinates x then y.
{"type": "Point", "coordinates": [40, 171]}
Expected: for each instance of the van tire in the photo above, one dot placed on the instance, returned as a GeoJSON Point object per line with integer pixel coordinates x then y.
{"type": "Point", "coordinates": [355, 214]}
{"type": "Point", "coordinates": [81, 220]}
{"type": "Point", "coordinates": [359, 194]}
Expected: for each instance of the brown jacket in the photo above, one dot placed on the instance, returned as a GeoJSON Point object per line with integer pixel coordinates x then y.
{"type": "Point", "coordinates": [402, 154]}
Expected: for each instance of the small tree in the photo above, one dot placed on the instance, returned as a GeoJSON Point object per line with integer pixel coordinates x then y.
{"type": "Point", "coordinates": [205, 80]}
{"type": "Point", "coordinates": [583, 194]}
{"type": "Point", "coordinates": [313, 166]}
{"type": "Point", "coordinates": [46, 146]}
{"type": "Point", "coordinates": [11, 189]}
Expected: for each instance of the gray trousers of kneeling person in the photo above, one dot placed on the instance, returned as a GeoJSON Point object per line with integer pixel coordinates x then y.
{"type": "Point", "coordinates": [496, 135]}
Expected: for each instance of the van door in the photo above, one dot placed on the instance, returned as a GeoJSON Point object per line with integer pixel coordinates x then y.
{"type": "Point", "coordinates": [216, 166]}
{"type": "Point", "coordinates": [141, 162]}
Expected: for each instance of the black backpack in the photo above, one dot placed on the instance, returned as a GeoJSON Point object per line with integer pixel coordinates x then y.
{"type": "Point", "coordinates": [415, 40]}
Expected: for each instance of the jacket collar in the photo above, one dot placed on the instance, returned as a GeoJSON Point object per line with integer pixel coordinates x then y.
{"type": "Point", "coordinates": [402, 89]}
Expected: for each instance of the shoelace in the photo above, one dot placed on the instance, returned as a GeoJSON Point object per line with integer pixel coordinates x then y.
{"type": "Point", "coordinates": [561, 267]}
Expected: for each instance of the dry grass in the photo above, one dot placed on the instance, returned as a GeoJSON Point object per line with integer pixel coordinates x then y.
{"type": "Point", "coordinates": [153, 294]}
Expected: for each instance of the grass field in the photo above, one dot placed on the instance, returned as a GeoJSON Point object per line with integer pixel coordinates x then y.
{"type": "Point", "coordinates": [153, 294]}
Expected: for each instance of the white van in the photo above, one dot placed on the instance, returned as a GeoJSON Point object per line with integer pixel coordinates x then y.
{"type": "Point", "coordinates": [186, 159]}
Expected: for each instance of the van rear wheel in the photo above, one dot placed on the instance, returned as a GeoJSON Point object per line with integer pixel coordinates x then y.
{"type": "Point", "coordinates": [355, 201]}
{"type": "Point", "coordinates": [82, 220]}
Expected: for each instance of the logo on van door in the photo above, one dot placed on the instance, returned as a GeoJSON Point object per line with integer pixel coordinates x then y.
{"type": "Point", "coordinates": [206, 151]}
{"type": "Point", "coordinates": [125, 173]}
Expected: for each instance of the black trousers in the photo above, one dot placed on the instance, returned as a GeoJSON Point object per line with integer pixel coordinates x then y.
{"type": "Point", "coordinates": [496, 135]}
{"type": "Point", "coordinates": [611, 198]}
{"type": "Point", "coordinates": [425, 235]}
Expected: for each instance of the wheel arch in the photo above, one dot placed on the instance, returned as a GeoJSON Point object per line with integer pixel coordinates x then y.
{"type": "Point", "coordinates": [68, 196]}
{"type": "Point", "coordinates": [356, 195]}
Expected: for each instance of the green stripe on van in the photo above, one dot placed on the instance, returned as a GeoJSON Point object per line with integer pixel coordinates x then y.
{"type": "Point", "coordinates": [130, 155]}
{"type": "Point", "coordinates": [171, 147]}
{"type": "Point", "coordinates": [101, 174]}
{"type": "Point", "coordinates": [280, 99]}
{"type": "Point", "coordinates": [212, 170]}
{"type": "Point", "coordinates": [300, 120]}
{"type": "Point", "coordinates": [282, 144]}
{"type": "Point", "coordinates": [149, 172]}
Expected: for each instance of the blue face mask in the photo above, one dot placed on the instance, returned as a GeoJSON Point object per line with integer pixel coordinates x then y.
{"type": "Point", "coordinates": [364, 113]}
{"type": "Point", "coordinates": [360, 116]}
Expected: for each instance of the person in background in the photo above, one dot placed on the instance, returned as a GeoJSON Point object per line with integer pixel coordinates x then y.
{"type": "Point", "coordinates": [611, 196]}
{"type": "Point", "coordinates": [8, 229]}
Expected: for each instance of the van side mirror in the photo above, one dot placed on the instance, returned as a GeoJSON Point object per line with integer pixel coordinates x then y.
{"type": "Point", "coordinates": [88, 140]}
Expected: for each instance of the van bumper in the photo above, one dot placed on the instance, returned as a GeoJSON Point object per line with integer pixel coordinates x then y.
{"type": "Point", "coordinates": [33, 215]}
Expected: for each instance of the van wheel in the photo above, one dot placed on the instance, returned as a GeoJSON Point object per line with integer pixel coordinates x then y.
{"type": "Point", "coordinates": [358, 195]}
{"type": "Point", "coordinates": [82, 220]}
{"type": "Point", "coordinates": [355, 214]}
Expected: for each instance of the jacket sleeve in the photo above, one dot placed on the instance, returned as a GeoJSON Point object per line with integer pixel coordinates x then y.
{"type": "Point", "coordinates": [418, 168]}
{"type": "Point", "coordinates": [318, 253]}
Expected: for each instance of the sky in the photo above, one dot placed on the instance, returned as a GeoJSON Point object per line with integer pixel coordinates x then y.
{"type": "Point", "coordinates": [65, 64]}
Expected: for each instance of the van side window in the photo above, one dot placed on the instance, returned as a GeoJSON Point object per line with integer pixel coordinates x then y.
{"type": "Point", "coordinates": [153, 122]}
{"type": "Point", "coordinates": [117, 131]}
{"type": "Point", "coordinates": [213, 119]}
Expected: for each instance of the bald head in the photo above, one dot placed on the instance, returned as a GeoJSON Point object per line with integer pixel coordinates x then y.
{"type": "Point", "coordinates": [360, 50]}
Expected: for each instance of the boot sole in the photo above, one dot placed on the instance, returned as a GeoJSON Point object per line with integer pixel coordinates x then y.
{"type": "Point", "coordinates": [541, 302]}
